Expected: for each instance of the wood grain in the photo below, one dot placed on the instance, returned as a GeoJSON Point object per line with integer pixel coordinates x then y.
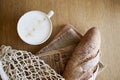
{"type": "Point", "coordinates": [83, 14]}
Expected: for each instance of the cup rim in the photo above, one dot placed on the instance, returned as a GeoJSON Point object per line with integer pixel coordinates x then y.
{"type": "Point", "coordinates": [50, 31]}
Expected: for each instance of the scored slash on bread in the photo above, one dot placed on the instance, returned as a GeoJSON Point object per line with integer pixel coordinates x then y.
{"type": "Point", "coordinates": [85, 58]}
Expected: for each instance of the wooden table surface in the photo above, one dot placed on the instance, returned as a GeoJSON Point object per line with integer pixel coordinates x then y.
{"type": "Point", "coordinates": [83, 14]}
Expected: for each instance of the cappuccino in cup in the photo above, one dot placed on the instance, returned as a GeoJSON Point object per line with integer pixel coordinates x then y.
{"type": "Point", "coordinates": [35, 27]}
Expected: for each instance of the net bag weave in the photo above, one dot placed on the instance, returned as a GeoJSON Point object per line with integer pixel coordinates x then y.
{"type": "Point", "coordinates": [23, 65]}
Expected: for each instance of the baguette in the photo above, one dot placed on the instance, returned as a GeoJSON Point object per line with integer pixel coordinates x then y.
{"type": "Point", "coordinates": [85, 59]}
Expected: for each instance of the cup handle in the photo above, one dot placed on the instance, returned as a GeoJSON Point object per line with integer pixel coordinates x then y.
{"type": "Point", "coordinates": [50, 14]}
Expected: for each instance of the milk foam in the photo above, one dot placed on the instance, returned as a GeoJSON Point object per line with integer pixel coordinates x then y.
{"type": "Point", "coordinates": [34, 27]}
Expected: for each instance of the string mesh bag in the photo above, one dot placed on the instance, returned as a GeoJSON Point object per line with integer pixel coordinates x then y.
{"type": "Point", "coordinates": [23, 65]}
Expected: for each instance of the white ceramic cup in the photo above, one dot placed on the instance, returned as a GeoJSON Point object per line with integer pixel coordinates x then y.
{"type": "Point", "coordinates": [35, 27]}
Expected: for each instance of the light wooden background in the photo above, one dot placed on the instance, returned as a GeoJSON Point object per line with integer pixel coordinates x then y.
{"type": "Point", "coordinates": [83, 14]}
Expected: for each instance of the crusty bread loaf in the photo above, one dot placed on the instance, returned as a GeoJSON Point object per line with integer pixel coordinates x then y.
{"type": "Point", "coordinates": [84, 60]}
